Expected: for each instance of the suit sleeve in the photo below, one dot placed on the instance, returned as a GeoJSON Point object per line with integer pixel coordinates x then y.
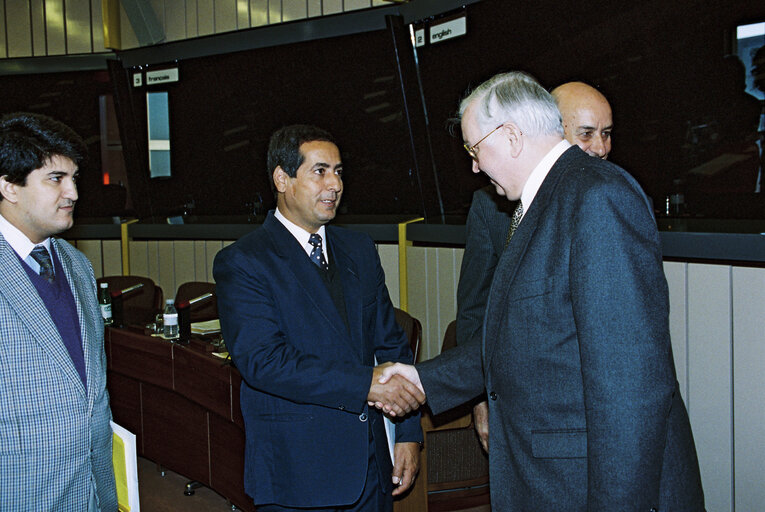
{"type": "Point", "coordinates": [478, 263]}
{"type": "Point", "coordinates": [620, 305]}
{"type": "Point", "coordinates": [267, 361]}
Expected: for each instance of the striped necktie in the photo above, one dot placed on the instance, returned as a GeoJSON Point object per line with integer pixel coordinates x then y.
{"type": "Point", "coordinates": [517, 216]}
{"type": "Point", "coordinates": [42, 257]}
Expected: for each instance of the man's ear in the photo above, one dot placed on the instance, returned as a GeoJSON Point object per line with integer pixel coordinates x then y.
{"type": "Point", "coordinates": [8, 190]}
{"type": "Point", "coordinates": [280, 179]}
{"type": "Point", "coordinates": [514, 136]}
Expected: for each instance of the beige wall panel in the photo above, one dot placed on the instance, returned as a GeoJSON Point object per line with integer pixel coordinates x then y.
{"type": "Point", "coordinates": [205, 17]}
{"type": "Point", "coordinates": [97, 21]}
{"type": "Point", "coordinates": [333, 6]}
{"type": "Point", "coordinates": [138, 253]}
{"type": "Point", "coordinates": [225, 15]}
{"type": "Point", "coordinates": [211, 249]}
{"type": "Point", "coordinates": [242, 14]}
{"type": "Point", "coordinates": [678, 327]}
{"type": "Point", "coordinates": [54, 26]}
{"type": "Point", "coordinates": [200, 260]}
{"type": "Point", "coordinates": [92, 250]}
{"type": "Point", "coordinates": [166, 254]}
{"type": "Point", "coordinates": [749, 386]}
{"type": "Point", "coordinates": [258, 12]}
{"type": "Point", "coordinates": [710, 384]}
{"type": "Point", "coordinates": [112, 257]}
{"type": "Point", "coordinates": [18, 28]}
{"type": "Point", "coordinates": [152, 251]}
{"type": "Point", "coordinates": [294, 10]}
{"type": "Point", "coordinates": [184, 262]}
{"type": "Point", "coordinates": [39, 43]}
{"type": "Point", "coordinates": [3, 47]}
{"type": "Point", "coordinates": [447, 289]}
{"type": "Point", "coordinates": [378, 3]}
{"type": "Point", "coordinates": [418, 299]}
{"type": "Point", "coordinates": [274, 12]}
{"type": "Point", "coordinates": [314, 8]}
{"type": "Point", "coordinates": [351, 5]}
{"type": "Point", "coordinates": [175, 14]}
{"type": "Point", "coordinates": [78, 27]}
{"type": "Point", "coordinates": [389, 261]}
{"type": "Point", "coordinates": [192, 24]}
{"type": "Point", "coordinates": [127, 34]}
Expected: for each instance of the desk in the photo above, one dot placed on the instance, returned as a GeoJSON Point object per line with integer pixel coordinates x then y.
{"type": "Point", "coordinates": [183, 405]}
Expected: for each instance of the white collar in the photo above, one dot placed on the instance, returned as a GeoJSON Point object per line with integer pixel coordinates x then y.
{"type": "Point", "coordinates": [18, 240]}
{"type": "Point", "coordinates": [540, 172]}
{"type": "Point", "coordinates": [301, 235]}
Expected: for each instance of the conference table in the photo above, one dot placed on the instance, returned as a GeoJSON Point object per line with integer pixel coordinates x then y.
{"type": "Point", "coordinates": [182, 403]}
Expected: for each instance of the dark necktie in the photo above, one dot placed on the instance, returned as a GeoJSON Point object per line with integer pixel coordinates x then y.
{"type": "Point", "coordinates": [517, 216]}
{"type": "Point", "coordinates": [317, 255]}
{"type": "Point", "coordinates": [42, 257]}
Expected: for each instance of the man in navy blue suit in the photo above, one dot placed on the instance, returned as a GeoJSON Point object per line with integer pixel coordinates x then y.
{"type": "Point", "coordinates": [305, 312]}
{"type": "Point", "coordinates": [585, 411]}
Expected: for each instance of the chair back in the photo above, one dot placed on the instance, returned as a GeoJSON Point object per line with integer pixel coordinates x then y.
{"type": "Point", "coordinates": [139, 307]}
{"type": "Point", "coordinates": [203, 310]}
{"type": "Point", "coordinates": [413, 329]}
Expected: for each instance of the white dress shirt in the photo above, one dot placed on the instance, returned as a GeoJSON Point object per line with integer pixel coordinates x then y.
{"type": "Point", "coordinates": [21, 244]}
{"type": "Point", "coordinates": [302, 236]}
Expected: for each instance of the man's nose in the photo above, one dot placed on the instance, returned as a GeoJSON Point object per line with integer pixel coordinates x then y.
{"type": "Point", "coordinates": [598, 146]}
{"type": "Point", "coordinates": [70, 190]}
{"type": "Point", "coordinates": [333, 181]}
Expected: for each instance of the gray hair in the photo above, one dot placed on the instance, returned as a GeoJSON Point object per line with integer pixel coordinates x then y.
{"type": "Point", "coordinates": [515, 97]}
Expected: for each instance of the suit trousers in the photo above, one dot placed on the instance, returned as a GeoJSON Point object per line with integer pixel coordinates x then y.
{"type": "Point", "coordinates": [372, 498]}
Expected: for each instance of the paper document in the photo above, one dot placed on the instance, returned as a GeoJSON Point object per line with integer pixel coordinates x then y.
{"type": "Point", "coordinates": [125, 468]}
{"type": "Point", "coordinates": [208, 327]}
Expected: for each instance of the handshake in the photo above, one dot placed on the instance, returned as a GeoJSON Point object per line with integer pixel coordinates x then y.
{"type": "Point", "coordinates": [396, 389]}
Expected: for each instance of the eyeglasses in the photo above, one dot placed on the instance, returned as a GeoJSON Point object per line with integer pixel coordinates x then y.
{"type": "Point", "coordinates": [471, 149]}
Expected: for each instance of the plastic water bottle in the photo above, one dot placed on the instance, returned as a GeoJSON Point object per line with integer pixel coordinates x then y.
{"type": "Point", "coordinates": [105, 303]}
{"type": "Point", "coordinates": [170, 320]}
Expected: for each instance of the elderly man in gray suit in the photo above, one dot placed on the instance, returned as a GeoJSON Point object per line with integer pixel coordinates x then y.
{"type": "Point", "coordinates": [55, 437]}
{"type": "Point", "coordinates": [585, 411]}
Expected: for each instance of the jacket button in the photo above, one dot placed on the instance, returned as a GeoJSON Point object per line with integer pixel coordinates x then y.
{"type": "Point", "coordinates": [342, 407]}
{"type": "Point", "coordinates": [363, 416]}
{"type": "Point", "coordinates": [493, 395]}
{"type": "Point", "coordinates": [653, 510]}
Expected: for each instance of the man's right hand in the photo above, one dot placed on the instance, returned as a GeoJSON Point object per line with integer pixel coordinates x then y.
{"type": "Point", "coordinates": [481, 423]}
{"type": "Point", "coordinates": [399, 395]}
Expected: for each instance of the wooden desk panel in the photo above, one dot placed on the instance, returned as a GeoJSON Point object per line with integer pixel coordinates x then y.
{"type": "Point", "coordinates": [183, 406]}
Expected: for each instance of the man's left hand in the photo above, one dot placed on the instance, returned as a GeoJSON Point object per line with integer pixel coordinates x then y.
{"type": "Point", "coordinates": [406, 466]}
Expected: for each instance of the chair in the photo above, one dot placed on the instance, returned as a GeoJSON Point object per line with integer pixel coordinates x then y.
{"type": "Point", "coordinates": [413, 329]}
{"type": "Point", "coordinates": [457, 467]}
{"type": "Point", "coordinates": [454, 470]}
{"type": "Point", "coordinates": [140, 306]}
{"type": "Point", "coordinates": [200, 311]}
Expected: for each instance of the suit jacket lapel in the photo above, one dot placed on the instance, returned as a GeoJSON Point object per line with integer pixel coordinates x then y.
{"type": "Point", "coordinates": [511, 258]}
{"type": "Point", "coordinates": [83, 295]}
{"type": "Point", "coordinates": [23, 298]}
{"type": "Point", "coordinates": [349, 275]}
{"type": "Point", "coordinates": [298, 263]}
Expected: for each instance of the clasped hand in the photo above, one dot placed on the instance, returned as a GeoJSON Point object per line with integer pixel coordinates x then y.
{"type": "Point", "coordinates": [396, 389]}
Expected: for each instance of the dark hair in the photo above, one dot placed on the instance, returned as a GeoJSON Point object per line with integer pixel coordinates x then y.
{"type": "Point", "coordinates": [284, 148]}
{"type": "Point", "coordinates": [28, 141]}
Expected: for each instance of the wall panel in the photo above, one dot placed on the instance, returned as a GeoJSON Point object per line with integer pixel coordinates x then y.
{"type": "Point", "coordinates": [205, 17]}
{"type": "Point", "coordinates": [112, 257]}
{"type": "Point", "coordinates": [78, 26]}
{"type": "Point", "coordinates": [18, 28]}
{"type": "Point", "coordinates": [225, 15]}
{"type": "Point", "coordinates": [92, 250]}
{"type": "Point", "coordinates": [294, 10]}
{"type": "Point", "coordinates": [97, 20]}
{"type": "Point", "coordinates": [37, 13]}
{"type": "Point", "coordinates": [55, 27]}
{"type": "Point", "coordinates": [749, 387]}
{"type": "Point", "coordinates": [242, 14]}
{"type": "Point", "coordinates": [678, 319]}
{"type": "Point", "coordinates": [166, 277]}
{"type": "Point", "coordinates": [184, 263]}
{"type": "Point", "coordinates": [258, 13]}
{"type": "Point", "coordinates": [389, 261]}
{"type": "Point", "coordinates": [192, 24]}
{"type": "Point", "coordinates": [175, 16]}
{"type": "Point", "coordinates": [710, 384]}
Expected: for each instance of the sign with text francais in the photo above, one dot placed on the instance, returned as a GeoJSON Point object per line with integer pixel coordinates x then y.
{"type": "Point", "coordinates": [162, 76]}
{"type": "Point", "coordinates": [453, 28]}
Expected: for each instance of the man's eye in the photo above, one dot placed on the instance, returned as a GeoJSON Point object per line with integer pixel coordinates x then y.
{"type": "Point", "coordinates": [319, 170]}
{"type": "Point", "coordinates": [339, 172]}
{"type": "Point", "coordinates": [585, 135]}
{"type": "Point", "coordinates": [606, 135]}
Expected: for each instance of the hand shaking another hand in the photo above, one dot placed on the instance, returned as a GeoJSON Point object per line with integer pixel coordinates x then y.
{"type": "Point", "coordinates": [396, 389]}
